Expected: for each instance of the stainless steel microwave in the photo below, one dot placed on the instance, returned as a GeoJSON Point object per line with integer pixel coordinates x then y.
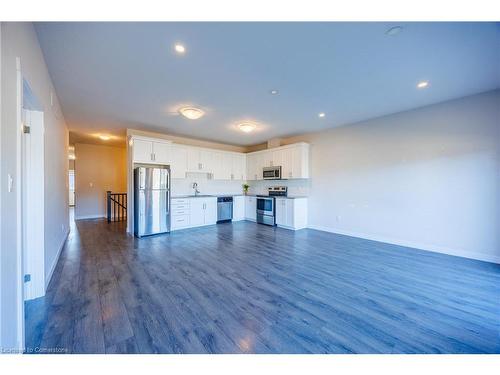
{"type": "Point", "coordinates": [271, 173]}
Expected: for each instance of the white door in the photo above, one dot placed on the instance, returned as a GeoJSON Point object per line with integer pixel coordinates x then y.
{"type": "Point", "coordinates": [33, 205]}
{"type": "Point", "coordinates": [210, 210]}
{"type": "Point", "coordinates": [179, 160]}
{"type": "Point", "coordinates": [251, 208]}
{"type": "Point", "coordinates": [221, 166]}
{"type": "Point", "coordinates": [197, 212]}
{"type": "Point", "coordinates": [161, 152]}
{"type": "Point", "coordinates": [281, 211]}
{"type": "Point", "coordinates": [238, 167]}
{"type": "Point", "coordinates": [71, 185]}
{"type": "Point", "coordinates": [207, 161]}
{"type": "Point", "coordinates": [143, 151]}
{"type": "Point", "coordinates": [238, 208]}
{"type": "Point", "coordinates": [193, 159]}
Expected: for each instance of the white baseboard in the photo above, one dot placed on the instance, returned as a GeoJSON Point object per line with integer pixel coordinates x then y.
{"type": "Point", "coordinates": [54, 264]}
{"type": "Point", "coordinates": [419, 246]}
{"type": "Point", "coordinates": [85, 217]}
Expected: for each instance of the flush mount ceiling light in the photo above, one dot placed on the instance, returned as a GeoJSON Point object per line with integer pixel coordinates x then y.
{"type": "Point", "coordinates": [105, 137]}
{"type": "Point", "coordinates": [422, 84]}
{"type": "Point", "coordinates": [191, 113]}
{"type": "Point", "coordinates": [394, 31]}
{"type": "Point", "coordinates": [321, 115]}
{"type": "Point", "coordinates": [274, 92]}
{"type": "Point", "coordinates": [247, 127]}
{"type": "Point", "coordinates": [179, 48]}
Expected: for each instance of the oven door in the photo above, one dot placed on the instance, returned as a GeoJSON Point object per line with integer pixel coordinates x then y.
{"type": "Point", "coordinates": [265, 206]}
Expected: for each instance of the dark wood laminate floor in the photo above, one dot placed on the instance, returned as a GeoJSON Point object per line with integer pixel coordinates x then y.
{"type": "Point", "coordinates": [249, 288]}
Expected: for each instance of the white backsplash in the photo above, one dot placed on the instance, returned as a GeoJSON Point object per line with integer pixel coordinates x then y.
{"type": "Point", "coordinates": [295, 187]}
{"type": "Point", "coordinates": [184, 186]}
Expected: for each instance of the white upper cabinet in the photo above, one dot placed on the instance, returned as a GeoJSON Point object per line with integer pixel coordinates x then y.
{"type": "Point", "coordinates": [293, 159]}
{"type": "Point", "coordinates": [222, 165]}
{"type": "Point", "coordinates": [179, 158]}
{"type": "Point", "coordinates": [255, 163]}
{"type": "Point", "coordinates": [238, 167]}
{"type": "Point", "coordinates": [201, 160]}
{"type": "Point", "coordinates": [142, 151]}
{"type": "Point", "coordinates": [162, 152]}
{"type": "Point", "coordinates": [149, 151]}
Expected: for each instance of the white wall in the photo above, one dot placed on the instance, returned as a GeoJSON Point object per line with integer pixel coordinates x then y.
{"type": "Point", "coordinates": [20, 40]}
{"type": "Point", "coordinates": [97, 170]}
{"type": "Point", "coordinates": [427, 178]}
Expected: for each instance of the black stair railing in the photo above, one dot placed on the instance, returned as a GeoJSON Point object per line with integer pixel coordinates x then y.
{"type": "Point", "coordinates": [116, 206]}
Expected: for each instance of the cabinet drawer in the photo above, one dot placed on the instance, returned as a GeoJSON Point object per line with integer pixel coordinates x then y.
{"type": "Point", "coordinates": [179, 211]}
{"type": "Point", "coordinates": [180, 221]}
{"type": "Point", "coordinates": [180, 201]}
{"type": "Point", "coordinates": [180, 207]}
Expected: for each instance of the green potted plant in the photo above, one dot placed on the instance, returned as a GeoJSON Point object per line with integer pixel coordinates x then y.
{"type": "Point", "coordinates": [245, 188]}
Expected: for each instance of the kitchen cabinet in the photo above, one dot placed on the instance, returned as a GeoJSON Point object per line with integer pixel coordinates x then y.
{"type": "Point", "coordinates": [222, 166]}
{"type": "Point", "coordinates": [238, 208]}
{"type": "Point", "coordinates": [293, 159]}
{"type": "Point", "coordinates": [291, 213]}
{"type": "Point", "coordinates": [238, 167]}
{"type": "Point", "coordinates": [151, 152]}
{"type": "Point", "coordinates": [203, 211]}
{"type": "Point", "coordinates": [251, 208]}
{"type": "Point", "coordinates": [180, 213]}
{"type": "Point", "coordinates": [142, 151]}
{"type": "Point", "coordinates": [255, 163]}
{"type": "Point", "coordinates": [178, 164]}
{"type": "Point", "coordinates": [201, 160]}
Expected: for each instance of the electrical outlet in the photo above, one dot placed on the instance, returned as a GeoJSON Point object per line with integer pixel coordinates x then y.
{"type": "Point", "coordinates": [338, 218]}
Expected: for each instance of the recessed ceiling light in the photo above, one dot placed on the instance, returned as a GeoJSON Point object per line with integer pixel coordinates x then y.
{"type": "Point", "coordinates": [105, 137]}
{"type": "Point", "coordinates": [394, 30]}
{"type": "Point", "coordinates": [422, 84]}
{"type": "Point", "coordinates": [191, 113]}
{"type": "Point", "coordinates": [179, 48]}
{"type": "Point", "coordinates": [322, 114]}
{"type": "Point", "coordinates": [274, 92]}
{"type": "Point", "coordinates": [246, 127]}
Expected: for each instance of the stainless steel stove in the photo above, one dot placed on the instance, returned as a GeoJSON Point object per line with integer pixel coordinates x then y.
{"type": "Point", "coordinates": [266, 207]}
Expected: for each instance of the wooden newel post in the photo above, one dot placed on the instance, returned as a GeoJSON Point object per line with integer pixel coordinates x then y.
{"type": "Point", "coordinates": [109, 205]}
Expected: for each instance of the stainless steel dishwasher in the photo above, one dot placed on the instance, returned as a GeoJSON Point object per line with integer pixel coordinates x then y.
{"type": "Point", "coordinates": [224, 209]}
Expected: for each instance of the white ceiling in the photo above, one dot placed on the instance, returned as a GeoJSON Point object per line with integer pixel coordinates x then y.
{"type": "Point", "coordinates": [110, 76]}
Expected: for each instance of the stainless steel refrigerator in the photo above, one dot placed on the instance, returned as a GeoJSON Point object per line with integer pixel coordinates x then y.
{"type": "Point", "coordinates": [151, 200]}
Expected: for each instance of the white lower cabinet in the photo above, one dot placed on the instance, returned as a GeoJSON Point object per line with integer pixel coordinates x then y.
{"type": "Point", "coordinates": [203, 211]}
{"type": "Point", "coordinates": [180, 212]}
{"type": "Point", "coordinates": [251, 208]}
{"type": "Point", "coordinates": [238, 208]}
{"type": "Point", "coordinates": [291, 213]}
{"type": "Point", "coordinates": [193, 212]}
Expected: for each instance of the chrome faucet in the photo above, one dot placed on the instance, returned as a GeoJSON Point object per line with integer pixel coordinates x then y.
{"type": "Point", "coordinates": [195, 187]}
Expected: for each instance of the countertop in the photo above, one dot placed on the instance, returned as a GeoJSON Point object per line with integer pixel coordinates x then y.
{"type": "Point", "coordinates": [233, 195]}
